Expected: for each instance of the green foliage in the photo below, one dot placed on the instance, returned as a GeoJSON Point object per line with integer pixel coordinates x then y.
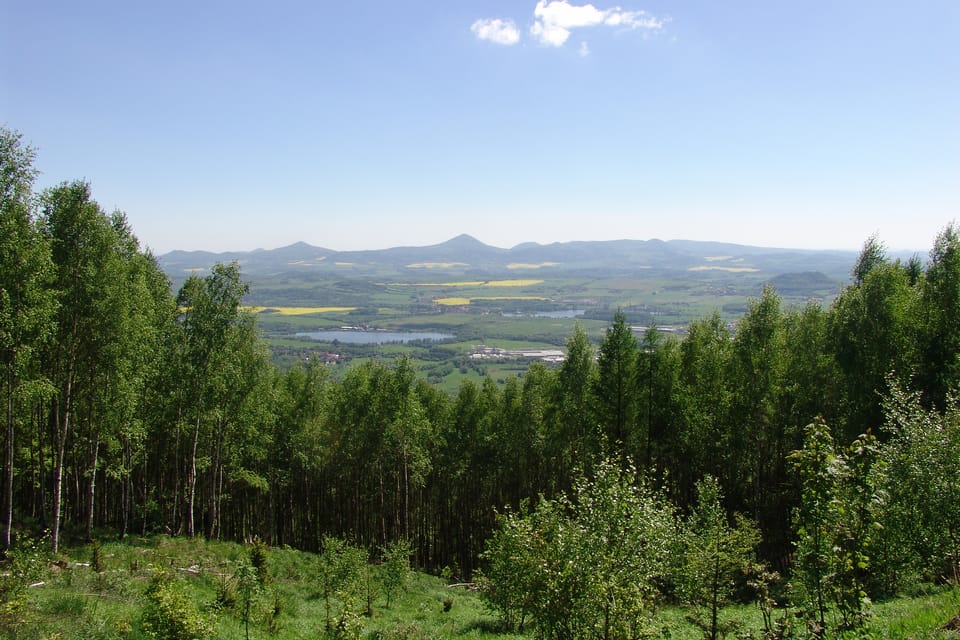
{"type": "Point", "coordinates": [873, 254]}
{"type": "Point", "coordinates": [24, 565]}
{"type": "Point", "coordinates": [513, 577]}
{"type": "Point", "coordinates": [226, 597]}
{"type": "Point", "coordinates": [259, 559]}
{"type": "Point", "coordinates": [574, 438]}
{"type": "Point", "coordinates": [27, 305]}
{"type": "Point", "coordinates": [249, 586]}
{"type": "Point", "coordinates": [920, 476]}
{"type": "Point", "coordinates": [856, 514]}
{"type": "Point", "coordinates": [816, 464]}
{"type": "Point", "coordinates": [753, 443]}
{"type": "Point", "coordinates": [66, 608]}
{"type": "Point", "coordinates": [615, 388]}
{"type": "Point", "coordinates": [395, 568]}
{"type": "Point", "coordinates": [340, 574]}
{"type": "Point", "coordinates": [940, 318]}
{"type": "Point", "coordinates": [96, 557]}
{"type": "Point", "coordinates": [874, 334]}
{"type": "Point", "coordinates": [218, 360]}
{"type": "Point", "coordinates": [716, 556]}
{"type": "Point", "coordinates": [169, 613]}
{"type": "Point", "coordinates": [768, 593]}
{"type": "Point", "coordinates": [584, 565]}
{"type": "Point", "coordinates": [704, 398]}
{"type": "Point", "coordinates": [836, 523]}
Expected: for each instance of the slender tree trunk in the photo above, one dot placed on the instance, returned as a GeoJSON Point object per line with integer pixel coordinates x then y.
{"type": "Point", "coordinates": [175, 520]}
{"type": "Point", "coordinates": [40, 417]}
{"type": "Point", "coordinates": [383, 506]}
{"type": "Point", "coordinates": [35, 472]}
{"type": "Point", "coordinates": [192, 477]}
{"type": "Point", "coordinates": [176, 498]}
{"type": "Point", "coordinates": [219, 518]}
{"type": "Point", "coordinates": [406, 496]}
{"type": "Point", "coordinates": [8, 466]}
{"type": "Point", "coordinates": [397, 504]}
{"type": "Point", "coordinates": [62, 428]}
{"type": "Point", "coordinates": [212, 501]}
{"type": "Point", "coordinates": [715, 603]}
{"type": "Point", "coordinates": [92, 486]}
{"type": "Point", "coordinates": [127, 491]}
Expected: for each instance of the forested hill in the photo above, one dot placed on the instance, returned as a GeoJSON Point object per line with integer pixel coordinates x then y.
{"type": "Point", "coordinates": [467, 254]}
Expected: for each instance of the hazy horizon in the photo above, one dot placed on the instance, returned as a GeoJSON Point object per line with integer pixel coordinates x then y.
{"type": "Point", "coordinates": [228, 127]}
{"type": "Point", "coordinates": [892, 250]}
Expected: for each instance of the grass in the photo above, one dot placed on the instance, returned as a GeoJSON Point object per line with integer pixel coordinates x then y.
{"type": "Point", "coordinates": [76, 603]}
{"type": "Point", "coordinates": [920, 617]}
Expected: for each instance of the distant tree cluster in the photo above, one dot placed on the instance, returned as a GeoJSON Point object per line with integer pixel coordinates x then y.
{"type": "Point", "coordinates": [132, 409]}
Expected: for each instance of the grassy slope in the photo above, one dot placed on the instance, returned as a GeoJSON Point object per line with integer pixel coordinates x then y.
{"type": "Point", "coordinates": [77, 603]}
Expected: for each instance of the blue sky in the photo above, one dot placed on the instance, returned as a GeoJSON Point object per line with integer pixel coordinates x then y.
{"type": "Point", "coordinates": [237, 125]}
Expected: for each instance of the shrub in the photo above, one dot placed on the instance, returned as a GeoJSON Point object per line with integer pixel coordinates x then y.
{"type": "Point", "coordinates": [588, 565]}
{"type": "Point", "coordinates": [24, 565]}
{"type": "Point", "coordinates": [396, 567]}
{"type": "Point", "coordinates": [339, 573]}
{"type": "Point", "coordinates": [258, 558]}
{"type": "Point", "coordinates": [170, 614]}
{"type": "Point", "coordinates": [716, 557]}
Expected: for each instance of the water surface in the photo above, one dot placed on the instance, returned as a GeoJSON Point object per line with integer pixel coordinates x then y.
{"type": "Point", "coordinates": [372, 337]}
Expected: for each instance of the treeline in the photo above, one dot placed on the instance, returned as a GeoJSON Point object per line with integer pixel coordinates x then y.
{"type": "Point", "coordinates": [129, 409]}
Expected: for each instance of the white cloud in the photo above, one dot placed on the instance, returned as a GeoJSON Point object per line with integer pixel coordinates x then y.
{"type": "Point", "coordinates": [584, 49]}
{"type": "Point", "coordinates": [553, 20]}
{"type": "Point", "coordinates": [496, 30]}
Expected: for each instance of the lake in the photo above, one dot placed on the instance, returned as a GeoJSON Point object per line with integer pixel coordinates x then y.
{"type": "Point", "coordinates": [572, 313]}
{"type": "Point", "coordinates": [372, 337]}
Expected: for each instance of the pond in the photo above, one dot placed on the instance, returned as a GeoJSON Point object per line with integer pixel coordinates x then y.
{"type": "Point", "coordinates": [572, 313]}
{"type": "Point", "coordinates": [372, 337]}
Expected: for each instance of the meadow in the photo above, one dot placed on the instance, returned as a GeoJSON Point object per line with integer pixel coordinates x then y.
{"type": "Point", "coordinates": [110, 591]}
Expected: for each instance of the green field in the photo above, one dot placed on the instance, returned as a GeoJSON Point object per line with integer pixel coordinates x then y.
{"type": "Point", "coordinates": [504, 313]}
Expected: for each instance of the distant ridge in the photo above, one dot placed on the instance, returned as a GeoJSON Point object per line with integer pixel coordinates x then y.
{"type": "Point", "coordinates": [465, 255]}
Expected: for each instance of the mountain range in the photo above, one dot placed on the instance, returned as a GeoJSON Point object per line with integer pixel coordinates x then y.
{"type": "Point", "coordinates": [467, 255]}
